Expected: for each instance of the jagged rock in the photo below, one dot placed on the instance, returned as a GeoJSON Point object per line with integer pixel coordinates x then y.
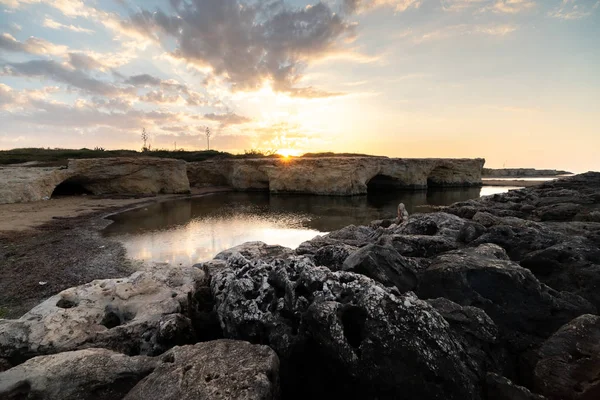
{"type": "Point", "coordinates": [351, 235]}
{"type": "Point", "coordinates": [97, 374]}
{"type": "Point", "coordinates": [558, 212]}
{"type": "Point", "coordinates": [525, 311]}
{"type": "Point", "coordinates": [343, 332]}
{"type": "Point", "coordinates": [470, 231]}
{"type": "Point", "coordinates": [438, 223]}
{"type": "Point", "coordinates": [571, 265]}
{"type": "Point", "coordinates": [222, 369]}
{"type": "Point", "coordinates": [131, 176]}
{"type": "Point", "coordinates": [501, 388]}
{"type": "Point", "coordinates": [141, 314]}
{"type": "Point", "coordinates": [518, 241]}
{"type": "Point", "coordinates": [419, 245]}
{"type": "Point", "coordinates": [335, 175]}
{"type": "Point", "coordinates": [256, 250]}
{"type": "Point", "coordinates": [333, 256]}
{"type": "Point", "coordinates": [383, 264]}
{"type": "Point", "coordinates": [569, 361]}
{"type": "Point", "coordinates": [477, 332]}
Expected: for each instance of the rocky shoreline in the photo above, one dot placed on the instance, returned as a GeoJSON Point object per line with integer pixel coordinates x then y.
{"type": "Point", "coordinates": [495, 298]}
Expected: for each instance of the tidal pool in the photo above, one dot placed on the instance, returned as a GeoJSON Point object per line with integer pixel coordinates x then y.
{"type": "Point", "coordinates": [188, 231]}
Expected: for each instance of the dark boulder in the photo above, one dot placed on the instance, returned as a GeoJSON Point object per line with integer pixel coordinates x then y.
{"type": "Point", "coordinates": [476, 330]}
{"type": "Point", "coordinates": [572, 265]}
{"type": "Point", "coordinates": [525, 311]}
{"type": "Point", "coordinates": [340, 334]}
{"type": "Point", "coordinates": [94, 374]}
{"type": "Point", "coordinates": [438, 223]}
{"type": "Point", "coordinates": [419, 245]}
{"type": "Point", "coordinates": [221, 369]}
{"type": "Point", "coordinates": [385, 265]}
{"type": "Point", "coordinates": [333, 256]}
{"type": "Point", "coordinates": [568, 366]}
{"type": "Point", "coordinates": [500, 388]}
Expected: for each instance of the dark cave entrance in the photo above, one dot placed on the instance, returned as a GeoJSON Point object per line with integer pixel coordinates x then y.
{"type": "Point", "coordinates": [70, 188]}
{"type": "Point", "coordinates": [384, 183]}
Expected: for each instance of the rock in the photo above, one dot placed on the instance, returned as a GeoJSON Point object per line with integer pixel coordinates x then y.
{"type": "Point", "coordinates": [518, 241]}
{"type": "Point", "coordinates": [571, 265]}
{"type": "Point", "coordinates": [383, 264]}
{"type": "Point", "coordinates": [569, 361]}
{"type": "Point", "coordinates": [98, 374]}
{"type": "Point", "coordinates": [558, 212]}
{"type": "Point", "coordinates": [256, 250]}
{"type": "Point", "coordinates": [525, 311]}
{"type": "Point", "coordinates": [351, 235]}
{"type": "Point", "coordinates": [334, 175]}
{"type": "Point", "coordinates": [521, 172]}
{"type": "Point", "coordinates": [438, 223]}
{"type": "Point", "coordinates": [141, 314]}
{"type": "Point", "coordinates": [130, 176]}
{"type": "Point", "coordinates": [501, 388]}
{"type": "Point", "coordinates": [470, 231]}
{"type": "Point", "coordinates": [222, 369]}
{"type": "Point", "coordinates": [333, 256]}
{"type": "Point", "coordinates": [476, 330]}
{"type": "Point", "coordinates": [419, 245]}
{"type": "Point", "coordinates": [343, 333]}
{"type": "Point", "coordinates": [402, 213]}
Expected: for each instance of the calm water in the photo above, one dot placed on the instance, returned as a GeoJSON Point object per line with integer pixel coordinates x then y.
{"type": "Point", "coordinates": [192, 230]}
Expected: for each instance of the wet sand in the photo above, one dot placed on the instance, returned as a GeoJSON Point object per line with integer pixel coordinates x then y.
{"type": "Point", "coordinates": [49, 246]}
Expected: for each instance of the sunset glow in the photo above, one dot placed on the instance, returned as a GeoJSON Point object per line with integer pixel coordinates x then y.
{"type": "Point", "coordinates": [516, 82]}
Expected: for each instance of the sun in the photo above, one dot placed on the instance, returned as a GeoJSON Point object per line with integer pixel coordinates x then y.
{"type": "Point", "coordinates": [287, 153]}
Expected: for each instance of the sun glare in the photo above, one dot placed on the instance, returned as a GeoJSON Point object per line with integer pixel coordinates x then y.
{"type": "Point", "coordinates": [287, 153]}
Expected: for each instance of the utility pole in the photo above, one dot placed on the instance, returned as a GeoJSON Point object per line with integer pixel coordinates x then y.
{"type": "Point", "coordinates": [208, 137]}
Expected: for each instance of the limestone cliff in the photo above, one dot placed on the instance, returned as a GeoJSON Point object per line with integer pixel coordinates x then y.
{"type": "Point", "coordinates": [136, 176]}
{"type": "Point", "coordinates": [335, 175]}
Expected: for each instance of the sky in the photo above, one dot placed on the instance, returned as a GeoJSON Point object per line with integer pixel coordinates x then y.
{"type": "Point", "coordinates": [514, 81]}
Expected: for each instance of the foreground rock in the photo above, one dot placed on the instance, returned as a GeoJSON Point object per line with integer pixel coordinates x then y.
{"type": "Point", "coordinates": [525, 310]}
{"type": "Point", "coordinates": [124, 176]}
{"type": "Point", "coordinates": [569, 361]}
{"type": "Point", "coordinates": [335, 175]}
{"type": "Point", "coordinates": [343, 332]}
{"type": "Point", "coordinates": [145, 313]}
{"type": "Point", "coordinates": [85, 374]}
{"type": "Point", "coordinates": [222, 369]}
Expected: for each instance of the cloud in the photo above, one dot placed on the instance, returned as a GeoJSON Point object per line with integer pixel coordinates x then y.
{"type": "Point", "coordinates": [512, 6]}
{"type": "Point", "coordinates": [32, 45]}
{"type": "Point", "coordinates": [60, 73]}
{"type": "Point", "coordinates": [464, 30]}
{"type": "Point", "coordinates": [227, 119]}
{"type": "Point", "coordinates": [247, 44]}
{"type": "Point", "coordinates": [358, 6]}
{"type": "Point", "coordinates": [52, 24]}
{"type": "Point", "coordinates": [570, 10]}
{"type": "Point", "coordinates": [497, 6]}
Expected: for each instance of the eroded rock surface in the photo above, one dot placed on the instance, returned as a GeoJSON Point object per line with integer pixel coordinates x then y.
{"type": "Point", "coordinates": [569, 361]}
{"type": "Point", "coordinates": [145, 313]}
{"type": "Point", "coordinates": [335, 175]}
{"type": "Point", "coordinates": [127, 176]}
{"type": "Point", "coordinates": [219, 370]}
{"type": "Point", "coordinates": [98, 374]}
{"type": "Point", "coordinates": [343, 332]}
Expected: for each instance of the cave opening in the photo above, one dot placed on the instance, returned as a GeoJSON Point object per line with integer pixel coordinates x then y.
{"type": "Point", "coordinates": [70, 188]}
{"type": "Point", "coordinates": [384, 183]}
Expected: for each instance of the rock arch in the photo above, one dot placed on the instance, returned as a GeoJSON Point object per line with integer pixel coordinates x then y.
{"type": "Point", "coordinates": [384, 183]}
{"type": "Point", "coordinates": [70, 187]}
{"type": "Point", "coordinates": [442, 176]}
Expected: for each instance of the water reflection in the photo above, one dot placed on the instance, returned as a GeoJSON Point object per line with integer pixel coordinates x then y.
{"type": "Point", "coordinates": [191, 230]}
